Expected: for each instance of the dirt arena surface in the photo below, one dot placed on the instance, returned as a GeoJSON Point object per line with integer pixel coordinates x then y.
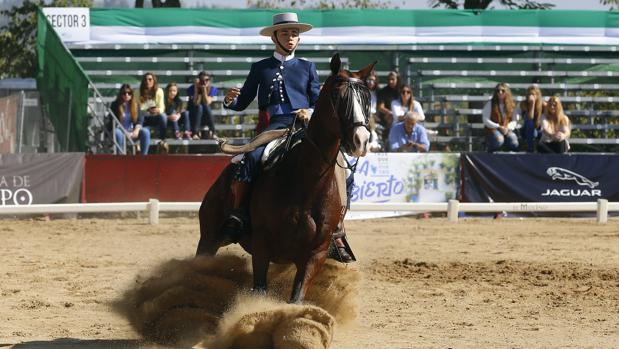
{"type": "Point", "coordinates": [425, 283]}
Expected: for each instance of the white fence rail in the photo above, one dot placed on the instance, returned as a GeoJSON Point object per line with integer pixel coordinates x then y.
{"type": "Point", "coordinates": [453, 207]}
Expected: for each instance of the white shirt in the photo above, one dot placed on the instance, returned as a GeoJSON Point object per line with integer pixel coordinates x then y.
{"type": "Point", "coordinates": [398, 110]}
{"type": "Point", "coordinates": [548, 132]}
{"type": "Point", "coordinates": [487, 113]}
{"type": "Point", "coordinates": [283, 58]}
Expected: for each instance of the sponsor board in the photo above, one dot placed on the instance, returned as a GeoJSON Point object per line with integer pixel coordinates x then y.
{"type": "Point", "coordinates": [404, 177]}
{"type": "Point", "coordinates": [27, 179]}
{"type": "Point", "coordinates": [539, 178]}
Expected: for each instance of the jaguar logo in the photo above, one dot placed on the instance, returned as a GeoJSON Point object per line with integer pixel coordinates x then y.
{"type": "Point", "coordinates": [558, 173]}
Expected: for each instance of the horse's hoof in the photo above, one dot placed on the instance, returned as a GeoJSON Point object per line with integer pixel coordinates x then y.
{"type": "Point", "coordinates": [340, 254]}
{"type": "Point", "coordinates": [259, 291]}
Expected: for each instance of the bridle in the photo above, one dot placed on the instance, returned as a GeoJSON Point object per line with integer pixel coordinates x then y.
{"type": "Point", "coordinates": [355, 92]}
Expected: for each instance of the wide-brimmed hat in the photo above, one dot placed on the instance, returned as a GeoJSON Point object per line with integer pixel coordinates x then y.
{"type": "Point", "coordinates": [285, 20]}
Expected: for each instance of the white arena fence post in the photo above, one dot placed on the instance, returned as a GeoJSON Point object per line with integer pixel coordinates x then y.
{"type": "Point", "coordinates": [153, 211]}
{"type": "Point", "coordinates": [602, 211]}
{"type": "Point", "coordinates": [453, 207]}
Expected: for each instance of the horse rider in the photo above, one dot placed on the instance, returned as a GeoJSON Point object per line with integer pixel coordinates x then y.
{"type": "Point", "coordinates": [287, 88]}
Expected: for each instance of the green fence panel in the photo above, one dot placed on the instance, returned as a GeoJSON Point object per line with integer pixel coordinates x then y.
{"type": "Point", "coordinates": [63, 87]}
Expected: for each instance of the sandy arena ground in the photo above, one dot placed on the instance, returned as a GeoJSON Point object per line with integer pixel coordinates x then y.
{"type": "Point", "coordinates": [426, 283]}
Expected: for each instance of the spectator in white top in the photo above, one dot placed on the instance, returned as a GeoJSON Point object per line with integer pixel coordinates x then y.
{"type": "Point", "coordinates": [555, 129]}
{"type": "Point", "coordinates": [500, 118]}
{"type": "Point", "coordinates": [405, 103]}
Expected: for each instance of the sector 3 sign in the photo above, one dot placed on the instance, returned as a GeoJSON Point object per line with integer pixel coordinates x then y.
{"type": "Point", "coordinates": [71, 23]}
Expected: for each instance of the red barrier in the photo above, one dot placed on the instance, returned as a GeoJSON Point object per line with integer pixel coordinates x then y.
{"type": "Point", "coordinates": [115, 178]}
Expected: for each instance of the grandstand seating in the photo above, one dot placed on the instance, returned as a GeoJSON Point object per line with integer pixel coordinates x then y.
{"type": "Point", "coordinates": [451, 81]}
{"type": "Point", "coordinates": [109, 71]}
{"type": "Point", "coordinates": [458, 80]}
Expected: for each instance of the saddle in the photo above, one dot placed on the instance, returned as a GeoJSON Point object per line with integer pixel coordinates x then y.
{"type": "Point", "coordinates": [277, 148]}
{"type": "Point", "coordinates": [261, 139]}
{"type": "Point", "coordinates": [278, 143]}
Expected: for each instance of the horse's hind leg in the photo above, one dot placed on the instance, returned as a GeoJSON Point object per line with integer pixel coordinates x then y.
{"type": "Point", "coordinates": [305, 274]}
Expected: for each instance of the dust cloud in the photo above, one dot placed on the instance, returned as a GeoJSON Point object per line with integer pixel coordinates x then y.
{"type": "Point", "coordinates": [205, 300]}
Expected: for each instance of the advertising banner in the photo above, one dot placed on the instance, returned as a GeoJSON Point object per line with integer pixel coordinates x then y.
{"type": "Point", "coordinates": [27, 179]}
{"type": "Point", "coordinates": [405, 177]}
{"type": "Point", "coordinates": [539, 178]}
{"type": "Point", "coordinates": [8, 124]}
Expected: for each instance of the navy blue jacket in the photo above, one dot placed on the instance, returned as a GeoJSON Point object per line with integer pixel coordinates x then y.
{"type": "Point", "coordinates": [300, 84]}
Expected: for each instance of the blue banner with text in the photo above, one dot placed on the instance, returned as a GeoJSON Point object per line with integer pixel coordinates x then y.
{"type": "Point", "coordinates": [539, 178]}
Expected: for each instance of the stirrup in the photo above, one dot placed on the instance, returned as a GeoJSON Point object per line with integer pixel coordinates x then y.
{"type": "Point", "coordinates": [235, 226]}
{"type": "Point", "coordinates": [341, 254]}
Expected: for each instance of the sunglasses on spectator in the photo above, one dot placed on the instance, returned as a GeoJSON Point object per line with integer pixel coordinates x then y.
{"type": "Point", "coordinates": [501, 91]}
{"type": "Point", "coordinates": [406, 92]}
{"type": "Point", "coordinates": [128, 93]}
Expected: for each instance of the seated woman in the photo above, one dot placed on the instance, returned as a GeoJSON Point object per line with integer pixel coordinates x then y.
{"type": "Point", "coordinates": [531, 109]}
{"type": "Point", "coordinates": [405, 103]}
{"type": "Point", "coordinates": [175, 113]}
{"type": "Point", "coordinates": [151, 103]}
{"type": "Point", "coordinates": [500, 119]}
{"type": "Point", "coordinates": [125, 109]}
{"type": "Point", "coordinates": [555, 129]}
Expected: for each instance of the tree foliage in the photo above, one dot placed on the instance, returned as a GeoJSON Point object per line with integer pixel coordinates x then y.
{"type": "Point", "coordinates": [18, 36]}
{"type": "Point", "coordinates": [484, 4]}
{"type": "Point", "coordinates": [320, 4]}
{"type": "Point", "coordinates": [159, 3]}
{"type": "Point", "coordinates": [614, 4]}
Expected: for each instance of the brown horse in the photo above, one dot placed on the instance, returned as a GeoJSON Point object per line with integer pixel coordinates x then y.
{"type": "Point", "coordinates": [295, 206]}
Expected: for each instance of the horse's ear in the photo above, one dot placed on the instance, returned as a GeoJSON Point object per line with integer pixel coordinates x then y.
{"type": "Point", "coordinates": [336, 64]}
{"type": "Point", "coordinates": [365, 72]}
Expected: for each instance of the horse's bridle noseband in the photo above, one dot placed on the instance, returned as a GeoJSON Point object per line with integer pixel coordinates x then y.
{"type": "Point", "coordinates": [353, 84]}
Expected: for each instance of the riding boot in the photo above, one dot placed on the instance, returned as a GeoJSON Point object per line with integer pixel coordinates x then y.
{"type": "Point", "coordinates": [340, 249]}
{"type": "Point", "coordinates": [237, 223]}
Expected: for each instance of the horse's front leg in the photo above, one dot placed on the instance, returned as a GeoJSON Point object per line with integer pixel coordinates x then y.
{"type": "Point", "coordinates": [260, 265]}
{"type": "Point", "coordinates": [306, 271]}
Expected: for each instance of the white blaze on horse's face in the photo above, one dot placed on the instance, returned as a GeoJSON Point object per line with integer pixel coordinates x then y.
{"type": "Point", "coordinates": [361, 135]}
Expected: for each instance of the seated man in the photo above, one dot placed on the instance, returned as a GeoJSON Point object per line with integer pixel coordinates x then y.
{"type": "Point", "coordinates": [408, 135]}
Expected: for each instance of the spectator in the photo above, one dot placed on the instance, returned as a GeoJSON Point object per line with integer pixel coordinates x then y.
{"type": "Point", "coordinates": [408, 135]}
{"type": "Point", "coordinates": [372, 83]}
{"type": "Point", "coordinates": [405, 103]}
{"type": "Point", "coordinates": [555, 129]}
{"type": "Point", "coordinates": [384, 98]}
{"type": "Point", "coordinates": [376, 131]}
{"type": "Point", "coordinates": [500, 120]}
{"type": "Point", "coordinates": [175, 113]}
{"type": "Point", "coordinates": [375, 144]}
{"type": "Point", "coordinates": [531, 109]}
{"type": "Point", "coordinates": [152, 105]}
{"type": "Point", "coordinates": [200, 95]}
{"type": "Point", "coordinates": [125, 108]}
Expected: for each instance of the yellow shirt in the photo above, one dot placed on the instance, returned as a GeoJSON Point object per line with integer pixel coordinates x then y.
{"type": "Point", "coordinates": [159, 101]}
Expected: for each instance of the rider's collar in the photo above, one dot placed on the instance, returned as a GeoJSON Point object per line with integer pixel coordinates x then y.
{"type": "Point", "coordinates": [283, 58]}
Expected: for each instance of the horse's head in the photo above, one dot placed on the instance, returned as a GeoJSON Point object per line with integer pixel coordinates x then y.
{"type": "Point", "coordinates": [351, 101]}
